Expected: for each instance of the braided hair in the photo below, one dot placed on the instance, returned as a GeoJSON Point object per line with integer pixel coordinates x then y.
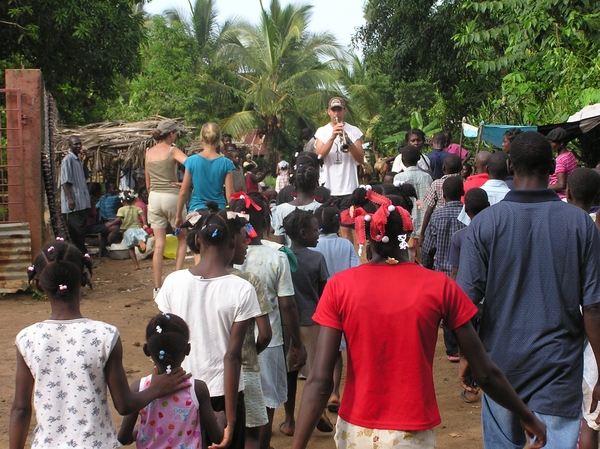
{"type": "Point", "coordinates": [167, 338]}
{"type": "Point", "coordinates": [296, 221]}
{"type": "Point", "coordinates": [211, 229]}
{"type": "Point", "coordinates": [59, 268]}
{"type": "Point", "coordinates": [259, 219]}
{"type": "Point", "coordinates": [329, 219]}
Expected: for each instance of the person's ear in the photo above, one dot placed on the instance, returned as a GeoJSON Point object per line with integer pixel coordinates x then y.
{"type": "Point", "coordinates": [188, 349]}
{"type": "Point", "coordinates": [509, 167]}
{"type": "Point", "coordinates": [568, 195]}
{"type": "Point", "coordinates": [146, 350]}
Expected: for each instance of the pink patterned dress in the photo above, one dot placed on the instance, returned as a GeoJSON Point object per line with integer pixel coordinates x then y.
{"type": "Point", "coordinates": [171, 422]}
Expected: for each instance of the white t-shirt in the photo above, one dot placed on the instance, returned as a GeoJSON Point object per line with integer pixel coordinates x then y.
{"type": "Point", "coordinates": [339, 172]}
{"type": "Point", "coordinates": [283, 210]}
{"type": "Point", "coordinates": [209, 307]}
{"type": "Point", "coordinates": [67, 360]}
{"type": "Point", "coordinates": [423, 164]}
{"type": "Point", "coordinates": [273, 269]}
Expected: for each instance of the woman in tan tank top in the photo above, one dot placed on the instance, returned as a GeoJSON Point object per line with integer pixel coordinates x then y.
{"type": "Point", "coordinates": [163, 187]}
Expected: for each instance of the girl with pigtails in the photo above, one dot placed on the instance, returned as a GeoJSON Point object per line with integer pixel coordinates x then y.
{"type": "Point", "coordinates": [66, 362]}
{"type": "Point", "coordinates": [217, 307]}
{"type": "Point", "coordinates": [391, 335]}
{"type": "Point", "coordinates": [176, 420]}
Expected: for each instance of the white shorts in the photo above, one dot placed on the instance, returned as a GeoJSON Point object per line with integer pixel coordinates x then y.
{"type": "Point", "coordinates": [162, 209]}
{"type": "Point", "coordinates": [273, 376]}
{"type": "Point", "coordinates": [256, 410]}
{"type": "Point", "coordinates": [350, 436]}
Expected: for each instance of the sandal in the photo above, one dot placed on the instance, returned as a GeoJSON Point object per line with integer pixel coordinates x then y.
{"type": "Point", "coordinates": [333, 405]}
{"type": "Point", "coordinates": [324, 424]}
{"type": "Point", "coordinates": [469, 400]}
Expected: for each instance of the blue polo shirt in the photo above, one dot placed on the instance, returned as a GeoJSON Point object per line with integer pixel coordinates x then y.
{"type": "Point", "coordinates": [536, 260]}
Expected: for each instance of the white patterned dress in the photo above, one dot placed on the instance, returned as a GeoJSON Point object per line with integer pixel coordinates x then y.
{"type": "Point", "coordinates": [67, 360]}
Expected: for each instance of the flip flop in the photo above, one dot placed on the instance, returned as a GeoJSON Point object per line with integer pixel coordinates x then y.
{"type": "Point", "coordinates": [324, 424]}
{"type": "Point", "coordinates": [333, 405]}
{"type": "Point", "coordinates": [289, 433]}
{"type": "Point", "coordinates": [463, 395]}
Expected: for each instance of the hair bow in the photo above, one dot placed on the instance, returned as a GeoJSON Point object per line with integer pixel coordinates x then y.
{"type": "Point", "coordinates": [247, 200]}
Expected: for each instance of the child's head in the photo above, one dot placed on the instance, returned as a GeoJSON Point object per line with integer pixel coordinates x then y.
{"type": "Point", "coordinates": [128, 197]}
{"type": "Point", "coordinates": [466, 170]}
{"type": "Point", "coordinates": [240, 228]}
{"type": "Point", "coordinates": [452, 164]}
{"type": "Point", "coordinates": [476, 199]}
{"type": "Point", "coordinates": [384, 221]}
{"type": "Point", "coordinates": [235, 156]}
{"type": "Point", "coordinates": [143, 194]}
{"type": "Point", "coordinates": [389, 177]}
{"type": "Point", "coordinates": [210, 133]}
{"type": "Point", "coordinates": [328, 218]}
{"type": "Point", "coordinates": [306, 178]}
{"type": "Point", "coordinates": [583, 188]}
{"type": "Point", "coordinates": [250, 166]}
{"type": "Point", "coordinates": [60, 270]}
{"type": "Point", "coordinates": [453, 188]}
{"type": "Point", "coordinates": [210, 229]}
{"type": "Point", "coordinates": [302, 228]}
{"type": "Point", "coordinates": [497, 166]}
{"type": "Point", "coordinates": [111, 188]}
{"type": "Point", "coordinates": [439, 141]}
{"type": "Point", "coordinates": [508, 137]}
{"type": "Point", "coordinates": [411, 155]}
{"type": "Point", "coordinates": [95, 189]}
{"type": "Point", "coordinates": [448, 137]}
{"type": "Point", "coordinates": [254, 205]}
{"type": "Point", "coordinates": [167, 341]}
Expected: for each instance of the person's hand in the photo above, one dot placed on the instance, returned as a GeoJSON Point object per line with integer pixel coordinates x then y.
{"type": "Point", "coordinates": [595, 399]}
{"type": "Point", "coordinates": [300, 355]}
{"type": "Point", "coordinates": [338, 129]}
{"type": "Point", "coordinates": [535, 428]}
{"type": "Point", "coordinates": [178, 222]}
{"type": "Point", "coordinates": [71, 204]}
{"type": "Point", "coordinates": [167, 384]}
{"type": "Point", "coordinates": [465, 376]}
{"type": "Point", "coordinates": [421, 240]}
{"type": "Point", "coordinates": [227, 438]}
{"type": "Point", "coordinates": [178, 184]}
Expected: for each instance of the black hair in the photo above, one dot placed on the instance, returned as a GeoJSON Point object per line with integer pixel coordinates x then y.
{"type": "Point", "coordinates": [531, 154]}
{"type": "Point", "coordinates": [323, 195]}
{"type": "Point", "coordinates": [497, 165]}
{"type": "Point", "coordinates": [439, 140]}
{"type": "Point", "coordinates": [167, 338]}
{"type": "Point", "coordinates": [329, 219]}
{"type": "Point", "coordinates": [141, 190]}
{"type": "Point", "coordinates": [212, 228]}
{"type": "Point", "coordinates": [416, 131]}
{"type": "Point", "coordinates": [128, 197]}
{"type": "Point", "coordinates": [394, 226]}
{"type": "Point", "coordinates": [584, 185]}
{"type": "Point", "coordinates": [453, 188]}
{"type": "Point", "coordinates": [512, 133]}
{"type": "Point", "coordinates": [406, 191]}
{"type": "Point", "coordinates": [259, 219]}
{"type": "Point", "coordinates": [453, 164]}
{"type": "Point", "coordinates": [391, 173]}
{"type": "Point", "coordinates": [469, 168]}
{"type": "Point", "coordinates": [296, 221]}
{"type": "Point", "coordinates": [306, 178]}
{"type": "Point", "coordinates": [476, 199]}
{"type": "Point", "coordinates": [411, 155]}
{"type": "Point", "coordinates": [224, 135]}
{"type": "Point", "coordinates": [95, 189]}
{"type": "Point", "coordinates": [59, 267]}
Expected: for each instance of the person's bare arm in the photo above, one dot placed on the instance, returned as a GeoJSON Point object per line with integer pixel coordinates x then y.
{"type": "Point", "coordinates": [318, 387]}
{"type": "Point", "coordinates": [126, 432]}
{"type": "Point", "coordinates": [228, 186]}
{"type": "Point", "coordinates": [21, 410]}
{"type": "Point", "coordinates": [280, 239]}
{"type": "Point", "coordinates": [232, 366]}
{"type": "Point", "coordinates": [264, 333]}
{"type": "Point", "coordinates": [178, 155]}
{"type": "Point", "coordinates": [183, 194]}
{"type": "Point", "coordinates": [453, 273]}
{"type": "Point", "coordinates": [147, 174]}
{"type": "Point", "coordinates": [291, 319]}
{"type": "Point", "coordinates": [591, 322]}
{"type": "Point", "coordinates": [561, 182]}
{"type": "Point", "coordinates": [207, 414]}
{"type": "Point", "coordinates": [492, 381]}
{"type": "Point", "coordinates": [426, 219]}
{"type": "Point", "coordinates": [356, 150]}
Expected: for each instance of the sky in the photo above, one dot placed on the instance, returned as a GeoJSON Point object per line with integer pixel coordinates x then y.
{"type": "Point", "coordinates": [340, 18]}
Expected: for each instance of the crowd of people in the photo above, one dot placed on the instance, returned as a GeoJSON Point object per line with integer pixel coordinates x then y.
{"type": "Point", "coordinates": [507, 259]}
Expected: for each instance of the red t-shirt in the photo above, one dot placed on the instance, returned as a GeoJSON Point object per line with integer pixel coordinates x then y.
{"type": "Point", "coordinates": [474, 181]}
{"type": "Point", "coordinates": [390, 315]}
{"type": "Point", "coordinates": [251, 186]}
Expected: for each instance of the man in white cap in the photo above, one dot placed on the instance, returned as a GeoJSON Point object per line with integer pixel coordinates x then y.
{"type": "Point", "coordinates": [340, 146]}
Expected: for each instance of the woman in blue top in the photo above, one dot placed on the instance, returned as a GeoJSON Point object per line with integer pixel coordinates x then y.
{"type": "Point", "coordinates": [206, 172]}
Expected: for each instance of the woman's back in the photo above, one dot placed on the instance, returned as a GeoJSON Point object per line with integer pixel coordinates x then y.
{"type": "Point", "coordinates": [162, 169]}
{"type": "Point", "coordinates": [67, 359]}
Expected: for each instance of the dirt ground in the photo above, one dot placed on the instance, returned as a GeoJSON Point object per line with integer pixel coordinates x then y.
{"type": "Point", "coordinates": [123, 297]}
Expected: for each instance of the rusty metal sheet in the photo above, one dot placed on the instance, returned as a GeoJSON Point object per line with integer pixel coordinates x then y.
{"type": "Point", "coordinates": [15, 256]}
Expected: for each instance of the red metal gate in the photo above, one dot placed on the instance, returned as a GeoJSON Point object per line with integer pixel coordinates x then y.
{"type": "Point", "coordinates": [11, 155]}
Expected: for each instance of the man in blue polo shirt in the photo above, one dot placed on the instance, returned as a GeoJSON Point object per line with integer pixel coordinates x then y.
{"type": "Point", "coordinates": [535, 260]}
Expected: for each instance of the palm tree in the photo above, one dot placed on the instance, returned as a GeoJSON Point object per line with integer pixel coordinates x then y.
{"type": "Point", "coordinates": [285, 73]}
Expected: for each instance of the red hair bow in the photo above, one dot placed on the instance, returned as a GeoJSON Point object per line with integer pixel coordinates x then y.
{"type": "Point", "coordinates": [247, 200]}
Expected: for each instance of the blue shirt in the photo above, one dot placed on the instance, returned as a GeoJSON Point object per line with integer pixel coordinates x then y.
{"type": "Point", "coordinates": [536, 260]}
{"type": "Point", "coordinates": [71, 172]}
{"type": "Point", "coordinates": [443, 224]}
{"type": "Point", "coordinates": [208, 177]}
{"type": "Point", "coordinates": [108, 206]}
{"type": "Point", "coordinates": [436, 160]}
{"type": "Point", "coordinates": [339, 253]}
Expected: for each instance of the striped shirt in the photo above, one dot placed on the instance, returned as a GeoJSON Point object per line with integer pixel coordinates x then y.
{"type": "Point", "coordinates": [443, 225]}
{"type": "Point", "coordinates": [565, 163]}
{"type": "Point", "coordinates": [71, 172]}
{"type": "Point", "coordinates": [435, 195]}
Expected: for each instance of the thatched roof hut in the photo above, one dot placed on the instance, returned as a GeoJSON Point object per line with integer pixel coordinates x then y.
{"type": "Point", "coordinates": [110, 146]}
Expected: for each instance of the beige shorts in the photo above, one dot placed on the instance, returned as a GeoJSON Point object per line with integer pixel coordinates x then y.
{"type": "Point", "coordinates": [590, 418]}
{"type": "Point", "coordinates": [162, 209]}
{"type": "Point", "coordinates": [350, 436]}
{"type": "Point", "coordinates": [309, 336]}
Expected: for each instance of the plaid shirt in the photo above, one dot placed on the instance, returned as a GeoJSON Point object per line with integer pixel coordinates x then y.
{"type": "Point", "coordinates": [443, 224]}
{"type": "Point", "coordinates": [435, 196]}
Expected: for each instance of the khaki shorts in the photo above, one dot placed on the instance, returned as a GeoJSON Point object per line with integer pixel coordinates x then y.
{"type": "Point", "coordinates": [162, 209]}
{"type": "Point", "coordinates": [309, 336]}
{"type": "Point", "coordinates": [350, 436]}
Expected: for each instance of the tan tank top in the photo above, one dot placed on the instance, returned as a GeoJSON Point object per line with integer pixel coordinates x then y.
{"type": "Point", "coordinates": [162, 174]}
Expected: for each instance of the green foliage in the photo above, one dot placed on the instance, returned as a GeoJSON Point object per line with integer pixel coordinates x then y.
{"type": "Point", "coordinates": [81, 48]}
{"type": "Point", "coordinates": [38, 295]}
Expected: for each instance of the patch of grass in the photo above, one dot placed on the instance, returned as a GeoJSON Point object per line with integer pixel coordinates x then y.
{"type": "Point", "coordinates": [38, 295]}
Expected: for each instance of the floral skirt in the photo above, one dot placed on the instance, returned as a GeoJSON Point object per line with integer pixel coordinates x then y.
{"type": "Point", "coordinates": [350, 436]}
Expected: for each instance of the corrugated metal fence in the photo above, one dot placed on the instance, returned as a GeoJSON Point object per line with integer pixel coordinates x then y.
{"type": "Point", "coordinates": [15, 256]}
